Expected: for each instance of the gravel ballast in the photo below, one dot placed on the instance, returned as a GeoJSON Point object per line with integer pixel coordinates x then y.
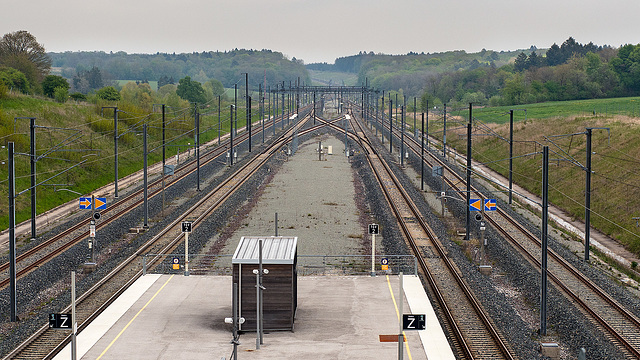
{"type": "Point", "coordinates": [327, 205]}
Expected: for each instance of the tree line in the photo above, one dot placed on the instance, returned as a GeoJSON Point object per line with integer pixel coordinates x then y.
{"type": "Point", "coordinates": [408, 73]}
{"type": "Point", "coordinates": [571, 71]}
{"type": "Point", "coordinates": [26, 67]}
{"type": "Point", "coordinates": [225, 66]}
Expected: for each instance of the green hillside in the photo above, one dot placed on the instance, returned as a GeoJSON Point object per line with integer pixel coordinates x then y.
{"type": "Point", "coordinates": [84, 132]}
{"type": "Point", "coordinates": [615, 193]}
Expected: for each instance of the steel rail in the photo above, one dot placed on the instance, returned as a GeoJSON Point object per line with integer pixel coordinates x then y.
{"type": "Point", "coordinates": [360, 138]}
{"type": "Point", "coordinates": [256, 162]}
{"type": "Point", "coordinates": [583, 279]}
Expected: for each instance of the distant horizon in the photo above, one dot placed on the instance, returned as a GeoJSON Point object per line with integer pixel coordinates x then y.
{"type": "Point", "coordinates": [110, 52]}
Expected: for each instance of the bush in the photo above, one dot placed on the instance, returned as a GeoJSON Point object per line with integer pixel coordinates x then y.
{"type": "Point", "coordinates": [496, 100]}
{"type": "Point", "coordinates": [78, 96]}
{"type": "Point", "coordinates": [14, 80]}
{"type": "Point", "coordinates": [108, 93]}
{"type": "Point", "coordinates": [51, 83]}
{"type": "Point", "coordinates": [61, 94]}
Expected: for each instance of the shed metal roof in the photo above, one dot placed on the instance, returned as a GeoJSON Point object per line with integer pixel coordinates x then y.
{"type": "Point", "coordinates": [275, 250]}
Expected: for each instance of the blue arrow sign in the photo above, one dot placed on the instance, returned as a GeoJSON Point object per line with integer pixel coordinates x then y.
{"type": "Point", "coordinates": [101, 203]}
{"type": "Point", "coordinates": [475, 205]}
{"type": "Point", "coordinates": [490, 205]}
{"type": "Point", "coordinates": [85, 203]}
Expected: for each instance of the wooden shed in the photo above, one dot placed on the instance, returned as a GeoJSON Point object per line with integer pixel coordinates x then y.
{"type": "Point", "coordinates": [280, 296]}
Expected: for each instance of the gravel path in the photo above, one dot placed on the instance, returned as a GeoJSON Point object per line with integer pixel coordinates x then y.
{"type": "Point", "coordinates": [314, 200]}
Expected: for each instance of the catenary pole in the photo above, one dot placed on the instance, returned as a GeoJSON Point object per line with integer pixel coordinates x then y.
{"type": "Point", "coordinates": [146, 199]}
{"type": "Point", "coordinates": [115, 149]}
{"type": "Point", "coordinates": [12, 233]}
{"type": "Point", "coordinates": [545, 221]}
{"type": "Point", "coordinates": [444, 135]}
{"type": "Point", "coordinates": [390, 125]}
{"type": "Point", "coordinates": [402, 128]}
{"type": "Point", "coordinates": [587, 205]}
{"type": "Point", "coordinates": [468, 224]}
{"type": "Point", "coordinates": [249, 119]}
{"type": "Point", "coordinates": [33, 176]}
{"type": "Point", "coordinates": [164, 157]}
{"type": "Point", "coordinates": [231, 134]}
{"type": "Point", "coordinates": [510, 156]}
{"type": "Point", "coordinates": [422, 156]}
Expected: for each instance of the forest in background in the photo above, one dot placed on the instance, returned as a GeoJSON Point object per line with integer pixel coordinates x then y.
{"type": "Point", "coordinates": [410, 72]}
{"type": "Point", "coordinates": [570, 71]}
{"type": "Point", "coordinates": [228, 67]}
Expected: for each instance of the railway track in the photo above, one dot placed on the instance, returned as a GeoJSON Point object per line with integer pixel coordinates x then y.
{"type": "Point", "coordinates": [45, 343]}
{"type": "Point", "coordinates": [46, 250]}
{"type": "Point", "coordinates": [617, 323]}
{"type": "Point", "coordinates": [470, 334]}
{"type": "Point", "coordinates": [475, 336]}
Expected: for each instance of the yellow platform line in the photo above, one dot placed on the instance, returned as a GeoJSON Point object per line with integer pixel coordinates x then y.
{"type": "Point", "coordinates": [131, 321]}
{"type": "Point", "coordinates": [406, 341]}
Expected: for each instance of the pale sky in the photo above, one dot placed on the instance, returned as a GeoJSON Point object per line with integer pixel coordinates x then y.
{"type": "Point", "coordinates": [319, 30]}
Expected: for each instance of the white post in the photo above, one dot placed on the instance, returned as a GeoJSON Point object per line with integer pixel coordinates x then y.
{"type": "Point", "coordinates": [373, 254]}
{"type": "Point", "coordinates": [260, 288]}
{"type": "Point", "coordinates": [401, 303]}
{"type": "Point", "coordinates": [257, 272]}
{"type": "Point", "coordinates": [73, 316]}
{"type": "Point", "coordinates": [186, 254]}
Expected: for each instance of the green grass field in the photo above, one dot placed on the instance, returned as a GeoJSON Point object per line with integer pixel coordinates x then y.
{"type": "Point", "coordinates": [601, 107]}
{"type": "Point", "coordinates": [615, 190]}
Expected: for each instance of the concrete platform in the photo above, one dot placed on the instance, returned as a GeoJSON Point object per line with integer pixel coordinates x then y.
{"type": "Point", "coordinates": [339, 317]}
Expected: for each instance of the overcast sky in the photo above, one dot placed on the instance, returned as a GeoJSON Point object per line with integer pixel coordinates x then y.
{"type": "Point", "coordinates": [320, 30]}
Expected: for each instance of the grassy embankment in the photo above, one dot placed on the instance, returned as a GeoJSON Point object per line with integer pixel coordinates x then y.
{"type": "Point", "coordinates": [615, 189]}
{"type": "Point", "coordinates": [94, 143]}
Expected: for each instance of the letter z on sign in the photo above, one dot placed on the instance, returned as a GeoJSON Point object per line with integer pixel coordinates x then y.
{"type": "Point", "coordinates": [414, 322]}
